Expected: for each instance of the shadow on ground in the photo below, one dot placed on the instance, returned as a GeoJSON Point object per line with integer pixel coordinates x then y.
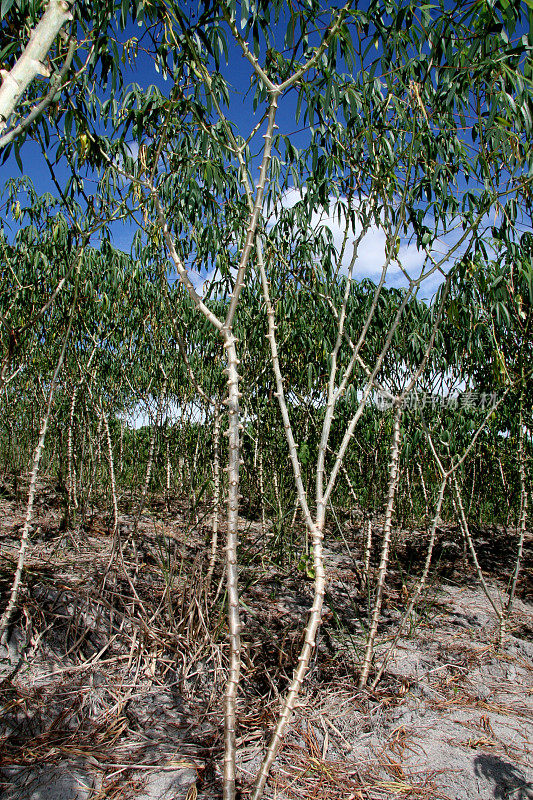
{"type": "Point", "coordinates": [509, 781]}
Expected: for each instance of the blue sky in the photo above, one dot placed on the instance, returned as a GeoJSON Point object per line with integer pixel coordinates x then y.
{"type": "Point", "coordinates": [243, 116]}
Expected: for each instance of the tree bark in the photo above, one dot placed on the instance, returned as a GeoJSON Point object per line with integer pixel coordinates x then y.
{"type": "Point", "coordinates": [522, 522]}
{"type": "Point", "coordinates": [234, 622]}
{"type": "Point", "coordinates": [387, 530]}
{"type": "Point", "coordinates": [216, 500]}
{"type": "Point", "coordinates": [25, 536]}
{"type": "Point", "coordinates": [31, 62]}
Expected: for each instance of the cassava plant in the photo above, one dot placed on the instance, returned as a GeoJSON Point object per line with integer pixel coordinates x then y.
{"type": "Point", "coordinates": [411, 132]}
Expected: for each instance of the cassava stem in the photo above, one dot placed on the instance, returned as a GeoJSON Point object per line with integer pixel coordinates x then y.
{"type": "Point", "coordinates": [419, 588]}
{"type": "Point", "coordinates": [387, 530]}
{"type": "Point", "coordinates": [25, 536]}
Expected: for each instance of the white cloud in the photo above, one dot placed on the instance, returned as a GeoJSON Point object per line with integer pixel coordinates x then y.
{"type": "Point", "coordinates": [371, 255]}
{"type": "Point", "coordinates": [371, 249]}
{"type": "Point", "coordinates": [203, 285]}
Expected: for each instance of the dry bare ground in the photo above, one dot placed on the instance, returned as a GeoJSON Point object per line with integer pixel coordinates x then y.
{"type": "Point", "coordinates": [112, 674]}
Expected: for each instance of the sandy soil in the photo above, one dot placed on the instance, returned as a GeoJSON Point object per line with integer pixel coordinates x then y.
{"type": "Point", "coordinates": [111, 687]}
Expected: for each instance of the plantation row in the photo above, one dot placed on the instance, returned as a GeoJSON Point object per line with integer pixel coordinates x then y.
{"type": "Point", "coordinates": [128, 368]}
{"type": "Point", "coordinates": [232, 252]}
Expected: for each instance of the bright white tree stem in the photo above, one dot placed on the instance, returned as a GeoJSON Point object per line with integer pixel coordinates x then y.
{"type": "Point", "coordinates": [216, 499]}
{"type": "Point", "coordinates": [521, 527]}
{"type": "Point", "coordinates": [94, 461]}
{"type": "Point", "coordinates": [262, 493]}
{"type": "Point", "coordinates": [38, 109]}
{"type": "Point", "coordinates": [111, 462]}
{"type": "Point", "coordinates": [311, 631]}
{"type": "Point", "coordinates": [348, 434]}
{"type": "Point", "coordinates": [387, 530]}
{"type": "Point", "coordinates": [25, 537]}
{"type": "Point", "coordinates": [150, 462]}
{"type": "Point", "coordinates": [466, 533]}
{"type": "Point", "coordinates": [232, 401]}
{"type": "Point", "coordinates": [366, 558]}
{"type": "Point", "coordinates": [234, 622]}
{"type": "Point", "coordinates": [257, 209]}
{"type": "Point", "coordinates": [332, 393]}
{"type": "Point", "coordinates": [71, 478]}
{"type": "Point", "coordinates": [71, 471]}
{"type": "Point", "coordinates": [419, 588]}
{"type": "Point", "coordinates": [31, 63]}
{"type": "Point", "coordinates": [423, 484]}
{"type": "Point", "coordinates": [121, 450]}
{"type": "Point", "coordinates": [316, 531]}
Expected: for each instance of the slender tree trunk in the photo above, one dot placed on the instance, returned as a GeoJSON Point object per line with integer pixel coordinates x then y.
{"type": "Point", "coordinates": [467, 535]}
{"type": "Point", "coordinates": [117, 545]}
{"type": "Point", "coordinates": [255, 206]}
{"type": "Point", "coordinates": [276, 489]}
{"type": "Point", "coordinates": [366, 556]}
{"type": "Point", "coordinates": [472, 490]}
{"type": "Point", "coordinates": [262, 494]}
{"type": "Point", "coordinates": [316, 531]}
{"type": "Point", "coordinates": [32, 61]}
{"type": "Point", "coordinates": [216, 499]}
{"type": "Point", "coordinates": [350, 487]}
{"type": "Point", "coordinates": [168, 482]}
{"type": "Point", "coordinates": [424, 490]}
{"type": "Point", "coordinates": [48, 462]}
{"type": "Point", "coordinates": [522, 522]}
{"type": "Point", "coordinates": [82, 468]}
{"type": "Point", "coordinates": [72, 500]}
{"type": "Point", "coordinates": [95, 457]}
{"type": "Point", "coordinates": [410, 481]}
{"type": "Point", "coordinates": [25, 536]}
{"type": "Point", "coordinates": [387, 530]}
{"type": "Point", "coordinates": [150, 462]}
{"type": "Point", "coordinates": [419, 589]}
{"type": "Point", "coordinates": [294, 515]}
{"type": "Point", "coordinates": [121, 451]}
{"type": "Point", "coordinates": [234, 621]}
{"type": "Point", "coordinates": [112, 481]}
{"type": "Point", "coordinates": [311, 631]}
{"type": "Point", "coordinates": [194, 470]}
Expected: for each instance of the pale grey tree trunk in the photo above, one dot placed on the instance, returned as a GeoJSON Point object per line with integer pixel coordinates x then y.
{"type": "Point", "coordinates": [111, 463]}
{"type": "Point", "coordinates": [25, 536]}
{"type": "Point", "coordinates": [522, 522]}
{"type": "Point", "coordinates": [32, 61]}
{"type": "Point", "coordinates": [234, 621]}
{"type": "Point", "coordinates": [387, 530]}
{"type": "Point", "coordinates": [366, 556]}
{"type": "Point", "coordinates": [72, 500]}
{"type": "Point", "coordinates": [150, 462]}
{"type": "Point", "coordinates": [419, 588]}
{"type": "Point", "coordinates": [216, 499]}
